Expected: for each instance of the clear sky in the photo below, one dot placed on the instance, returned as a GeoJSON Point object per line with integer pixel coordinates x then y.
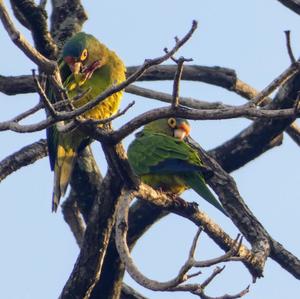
{"type": "Point", "coordinates": [37, 251]}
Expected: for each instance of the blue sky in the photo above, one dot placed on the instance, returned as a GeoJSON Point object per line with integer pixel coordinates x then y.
{"type": "Point", "coordinates": [38, 251]}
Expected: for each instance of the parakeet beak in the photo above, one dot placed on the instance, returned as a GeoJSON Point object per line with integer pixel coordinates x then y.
{"type": "Point", "coordinates": [75, 67]}
{"type": "Point", "coordinates": [182, 130]}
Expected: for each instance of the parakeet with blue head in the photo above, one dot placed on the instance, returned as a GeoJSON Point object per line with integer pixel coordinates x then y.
{"type": "Point", "coordinates": [163, 160]}
{"type": "Point", "coordinates": [87, 68]}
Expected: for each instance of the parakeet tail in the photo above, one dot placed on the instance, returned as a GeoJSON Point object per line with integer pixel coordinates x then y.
{"type": "Point", "coordinates": [62, 174]}
{"type": "Point", "coordinates": [197, 183]}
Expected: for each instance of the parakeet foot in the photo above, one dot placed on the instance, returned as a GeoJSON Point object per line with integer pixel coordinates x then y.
{"type": "Point", "coordinates": [191, 207]}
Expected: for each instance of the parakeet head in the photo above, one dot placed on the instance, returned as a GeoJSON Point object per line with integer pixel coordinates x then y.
{"type": "Point", "coordinates": [175, 127]}
{"type": "Point", "coordinates": [83, 53]}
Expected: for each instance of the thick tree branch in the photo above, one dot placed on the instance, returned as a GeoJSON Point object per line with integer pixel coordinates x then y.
{"type": "Point", "coordinates": [130, 293]}
{"type": "Point", "coordinates": [68, 17]}
{"type": "Point", "coordinates": [224, 186]}
{"type": "Point", "coordinates": [73, 217]}
{"type": "Point", "coordinates": [50, 67]}
{"type": "Point", "coordinates": [174, 284]}
{"type": "Point", "coordinates": [257, 137]}
{"type": "Point", "coordinates": [294, 5]}
{"type": "Point", "coordinates": [36, 18]}
{"type": "Point", "coordinates": [12, 85]}
{"type": "Point", "coordinates": [86, 181]}
{"type": "Point", "coordinates": [25, 156]}
{"type": "Point", "coordinates": [90, 260]}
{"type": "Point", "coordinates": [285, 258]}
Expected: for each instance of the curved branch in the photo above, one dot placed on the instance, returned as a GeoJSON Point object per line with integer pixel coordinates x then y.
{"type": "Point", "coordinates": [36, 18]}
{"type": "Point", "coordinates": [173, 284]}
{"type": "Point", "coordinates": [19, 40]}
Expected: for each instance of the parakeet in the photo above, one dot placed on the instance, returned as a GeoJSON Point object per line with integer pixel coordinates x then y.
{"type": "Point", "coordinates": [85, 65]}
{"type": "Point", "coordinates": [162, 159]}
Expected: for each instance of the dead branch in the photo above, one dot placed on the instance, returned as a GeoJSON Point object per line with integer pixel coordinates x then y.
{"type": "Point", "coordinates": [167, 98]}
{"type": "Point", "coordinates": [8, 125]}
{"type": "Point", "coordinates": [281, 79]}
{"type": "Point", "coordinates": [73, 218]}
{"type": "Point", "coordinates": [288, 46]}
{"type": "Point", "coordinates": [68, 17]}
{"type": "Point", "coordinates": [50, 67]}
{"type": "Point", "coordinates": [226, 189]}
{"type": "Point", "coordinates": [226, 113]}
{"type": "Point", "coordinates": [25, 156]}
{"type": "Point", "coordinates": [291, 4]}
{"type": "Point", "coordinates": [175, 283]}
{"type": "Point", "coordinates": [261, 134]}
{"type": "Point", "coordinates": [36, 17]}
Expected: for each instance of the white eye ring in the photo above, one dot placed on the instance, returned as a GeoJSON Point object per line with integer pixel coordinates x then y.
{"type": "Point", "coordinates": [172, 122]}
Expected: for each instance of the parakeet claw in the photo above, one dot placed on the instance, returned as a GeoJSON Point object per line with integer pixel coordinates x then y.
{"type": "Point", "coordinates": [190, 206]}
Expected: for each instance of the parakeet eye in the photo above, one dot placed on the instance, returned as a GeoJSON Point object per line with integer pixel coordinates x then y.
{"type": "Point", "coordinates": [84, 55]}
{"type": "Point", "coordinates": [172, 122]}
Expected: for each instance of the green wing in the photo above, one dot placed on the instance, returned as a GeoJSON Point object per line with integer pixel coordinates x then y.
{"type": "Point", "coordinates": [197, 183]}
{"type": "Point", "coordinates": [147, 154]}
{"type": "Point", "coordinates": [161, 154]}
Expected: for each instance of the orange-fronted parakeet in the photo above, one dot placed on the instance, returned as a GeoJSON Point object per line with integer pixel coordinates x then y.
{"type": "Point", "coordinates": [162, 159]}
{"type": "Point", "coordinates": [85, 65]}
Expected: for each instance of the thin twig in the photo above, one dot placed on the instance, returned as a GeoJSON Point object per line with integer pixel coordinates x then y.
{"type": "Point", "coordinates": [60, 116]}
{"type": "Point", "coordinates": [288, 46]}
{"type": "Point", "coordinates": [282, 78]}
{"type": "Point", "coordinates": [216, 271]}
{"type": "Point", "coordinates": [176, 83]}
{"type": "Point", "coordinates": [43, 96]}
{"type": "Point", "coordinates": [106, 120]}
{"type": "Point", "coordinates": [27, 113]}
{"type": "Point", "coordinates": [173, 284]}
{"type": "Point", "coordinates": [202, 295]}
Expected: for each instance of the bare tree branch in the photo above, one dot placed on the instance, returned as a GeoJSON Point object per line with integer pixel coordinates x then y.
{"type": "Point", "coordinates": [294, 5]}
{"type": "Point", "coordinates": [226, 189]}
{"type": "Point", "coordinates": [19, 40]}
{"type": "Point", "coordinates": [90, 260]}
{"type": "Point", "coordinates": [292, 70]}
{"type": "Point", "coordinates": [130, 293]}
{"type": "Point", "coordinates": [288, 46]}
{"type": "Point", "coordinates": [36, 18]}
{"type": "Point", "coordinates": [25, 156]}
{"type": "Point", "coordinates": [167, 98]}
{"type": "Point", "coordinates": [68, 17]}
{"type": "Point", "coordinates": [285, 258]}
{"type": "Point", "coordinates": [12, 85]}
{"type": "Point", "coordinates": [73, 217]}
{"type": "Point", "coordinates": [257, 137]}
{"type": "Point", "coordinates": [173, 284]}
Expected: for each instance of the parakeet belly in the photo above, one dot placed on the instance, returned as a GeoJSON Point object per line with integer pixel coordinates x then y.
{"type": "Point", "coordinates": [87, 68]}
{"type": "Point", "coordinates": [165, 182]}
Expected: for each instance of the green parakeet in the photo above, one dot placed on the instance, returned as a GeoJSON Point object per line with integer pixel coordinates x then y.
{"type": "Point", "coordinates": [162, 159]}
{"type": "Point", "coordinates": [85, 65]}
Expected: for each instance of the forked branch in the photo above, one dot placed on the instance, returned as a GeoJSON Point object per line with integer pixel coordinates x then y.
{"type": "Point", "coordinates": [175, 284]}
